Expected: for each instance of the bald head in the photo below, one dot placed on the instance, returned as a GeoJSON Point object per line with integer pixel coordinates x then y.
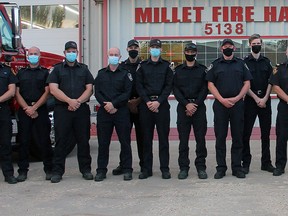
{"type": "Point", "coordinates": [114, 51]}
{"type": "Point", "coordinates": [34, 51]}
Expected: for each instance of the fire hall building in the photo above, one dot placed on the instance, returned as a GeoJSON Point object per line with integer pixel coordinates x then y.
{"type": "Point", "coordinates": [99, 24]}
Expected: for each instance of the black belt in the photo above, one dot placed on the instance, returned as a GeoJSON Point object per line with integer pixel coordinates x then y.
{"type": "Point", "coordinates": [191, 100]}
{"type": "Point", "coordinates": [3, 104]}
{"type": "Point", "coordinates": [153, 97]}
{"type": "Point", "coordinates": [30, 103]}
{"type": "Point", "coordinates": [258, 92]}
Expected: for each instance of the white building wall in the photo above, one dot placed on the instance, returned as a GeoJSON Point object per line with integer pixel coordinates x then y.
{"type": "Point", "coordinates": [122, 26]}
{"type": "Point", "coordinates": [92, 35]}
{"type": "Point", "coordinates": [49, 40]}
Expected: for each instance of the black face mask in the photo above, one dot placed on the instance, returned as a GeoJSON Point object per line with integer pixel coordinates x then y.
{"type": "Point", "coordinates": [256, 48]}
{"type": "Point", "coordinates": [133, 53]}
{"type": "Point", "coordinates": [190, 58]}
{"type": "Point", "coordinates": [228, 51]}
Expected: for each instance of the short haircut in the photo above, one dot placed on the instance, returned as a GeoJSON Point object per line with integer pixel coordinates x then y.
{"type": "Point", "coordinates": [253, 37]}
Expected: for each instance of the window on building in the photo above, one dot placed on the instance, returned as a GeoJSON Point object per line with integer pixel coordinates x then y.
{"type": "Point", "coordinates": [208, 51]}
{"type": "Point", "coordinates": [26, 17]}
{"type": "Point", "coordinates": [49, 16]}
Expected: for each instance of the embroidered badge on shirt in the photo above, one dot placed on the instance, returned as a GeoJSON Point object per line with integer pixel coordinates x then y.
{"type": "Point", "coordinates": [130, 77]}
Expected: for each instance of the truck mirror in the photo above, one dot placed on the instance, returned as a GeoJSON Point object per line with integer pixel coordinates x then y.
{"type": "Point", "coordinates": [16, 27]}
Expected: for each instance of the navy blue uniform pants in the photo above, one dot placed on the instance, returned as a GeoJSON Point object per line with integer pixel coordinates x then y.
{"type": "Point", "coordinates": [5, 141]}
{"type": "Point", "coordinates": [282, 135]}
{"type": "Point", "coordinates": [199, 122]}
{"type": "Point", "coordinates": [222, 117]}
{"type": "Point", "coordinates": [105, 125]}
{"type": "Point", "coordinates": [134, 119]}
{"type": "Point", "coordinates": [264, 115]}
{"type": "Point", "coordinates": [37, 130]}
{"type": "Point", "coordinates": [79, 123]}
{"type": "Point", "coordinates": [148, 121]}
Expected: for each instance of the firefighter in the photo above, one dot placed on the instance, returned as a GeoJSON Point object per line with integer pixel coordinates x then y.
{"type": "Point", "coordinates": [258, 103]}
{"type": "Point", "coordinates": [190, 90]}
{"type": "Point", "coordinates": [7, 91]}
{"type": "Point", "coordinates": [228, 80]}
{"type": "Point", "coordinates": [113, 86]}
{"type": "Point", "coordinates": [31, 94]}
{"type": "Point", "coordinates": [154, 80]}
{"type": "Point", "coordinates": [131, 64]}
{"type": "Point", "coordinates": [71, 83]}
{"type": "Point", "coordinates": [279, 80]}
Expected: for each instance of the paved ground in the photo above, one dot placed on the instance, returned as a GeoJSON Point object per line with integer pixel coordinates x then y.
{"type": "Point", "coordinates": [259, 194]}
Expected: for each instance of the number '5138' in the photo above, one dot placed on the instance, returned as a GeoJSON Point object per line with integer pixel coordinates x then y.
{"type": "Point", "coordinates": [224, 28]}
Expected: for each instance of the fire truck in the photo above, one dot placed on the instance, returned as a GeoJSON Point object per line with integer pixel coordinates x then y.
{"type": "Point", "coordinates": [14, 54]}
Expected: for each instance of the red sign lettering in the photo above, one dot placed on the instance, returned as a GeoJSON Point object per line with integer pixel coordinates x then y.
{"type": "Point", "coordinates": [216, 14]}
{"type": "Point", "coordinates": [270, 14]}
{"type": "Point", "coordinates": [143, 15]}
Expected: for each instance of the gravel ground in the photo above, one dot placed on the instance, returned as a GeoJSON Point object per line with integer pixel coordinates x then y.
{"type": "Point", "coordinates": [259, 194]}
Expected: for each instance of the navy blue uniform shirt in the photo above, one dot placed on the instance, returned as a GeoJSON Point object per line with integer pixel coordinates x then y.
{"type": "Point", "coordinates": [280, 77]}
{"type": "Point", "coordinates": [131, 68]}
{"type": "Point", "coordinates": [6, 78]}
{"type": "Point", "coordinates": [154, 79]}
{"type": "Point", "coordinates": [113, 86]}
{"type": "Point", "coordinates": [32, 82]}
{"type": "Point", "coordinates": [261, 70]}
{"type": "Point", "coordinates": [71, 80]}
{"type": "Point", "coordinates": [190, 83]}
{"type": "Point", "coordinates": [228, 76]}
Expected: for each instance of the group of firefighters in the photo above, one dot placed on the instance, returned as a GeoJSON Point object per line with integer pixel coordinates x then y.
{"type": "Point", "coordinates": [135, 92]}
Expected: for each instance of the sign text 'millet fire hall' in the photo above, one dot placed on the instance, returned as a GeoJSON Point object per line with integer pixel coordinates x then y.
{"type": "Point", "coordinates": [217, 19]}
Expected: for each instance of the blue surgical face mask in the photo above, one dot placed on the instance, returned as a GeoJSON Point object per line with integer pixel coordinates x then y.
{"type": "Point", "coordinates": [33, 59]}
{"type": "Point", "coordinates": [113, 60]}
{"type": "Point", "coordinates": [155, 52]}
{"type": "Point", "coordinates": [71, 56]}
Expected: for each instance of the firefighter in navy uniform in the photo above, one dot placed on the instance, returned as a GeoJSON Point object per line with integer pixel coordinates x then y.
{"type": "Point", "coordinates": [154, 80]}
{"type": "Point", "coordinates": [113, 86]}
{"type": "Point", "coordinates": [228, 80]}
{"type": "Point", "coordinates": [257, 103]}
{"type": "Point", "coordinates": [31, 94]}
{"type": "Point", "coordinates": [7, 91]}
{"type": "Point", "coordinates": [131, 64]}
{"type": "Point", "coordinates": [279, 80]}
{"type": "Point", "coordinates": [190, 90]}
{"type": "Point", "coordinates": [71, 83]}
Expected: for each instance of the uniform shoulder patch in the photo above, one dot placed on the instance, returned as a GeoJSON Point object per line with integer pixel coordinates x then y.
{"type": "Point", "coordinates": [246, 66]}
{"type": "Point", "coordinates": [139, 66]}
{"type": "Point", "coordinates": [130, 76]}
{"type": "Point", "coordinates": [51, 69]}
{"type": "Point", "coordinates": [209, 68]}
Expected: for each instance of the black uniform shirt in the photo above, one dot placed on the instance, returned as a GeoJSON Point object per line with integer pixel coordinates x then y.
{"type": "Point", "coordinates": [154, 79]}
{"type": "Point", "coordinates": [190, 83]}
{"type": "Point", "coordinates": [261, 70]}
{"type": "Point", "coordinates": [32, 83]}
{"type": "Point", "coordinates": [114, 87]}
{"type": "Point", "coordinates": [72, 80]}
{"type": "Point", "coordinates": [131, 68]}
{"type": "Point", "coordinates": [6, 78]}
{"type": "Point", "coordinates": [280, 77]}
{"type": "Point", "coordinates": [228, 75]}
